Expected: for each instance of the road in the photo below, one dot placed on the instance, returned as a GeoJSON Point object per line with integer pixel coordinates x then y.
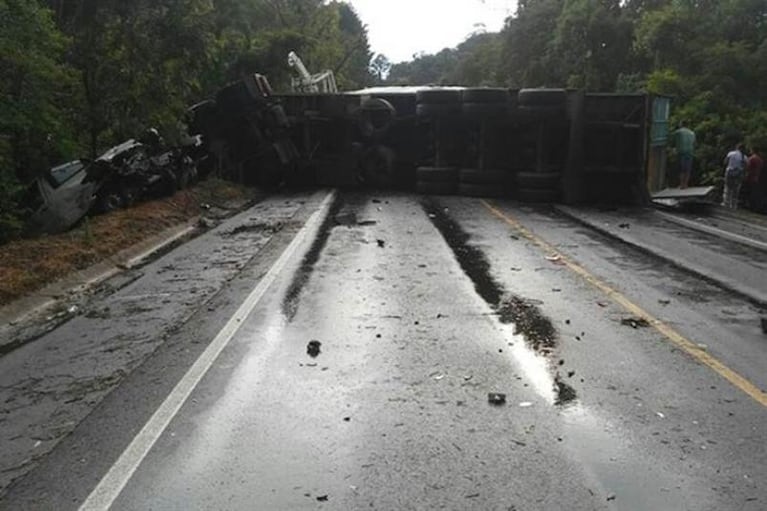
{"type": "Point", "coordinates": [389, 351]}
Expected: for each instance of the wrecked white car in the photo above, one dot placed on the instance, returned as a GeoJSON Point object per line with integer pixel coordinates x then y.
{"type": "Point", "coordinates": [61, 197]}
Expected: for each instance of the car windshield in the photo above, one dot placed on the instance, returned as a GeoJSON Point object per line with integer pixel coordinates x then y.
{"type": "Point", "coordinates": [63, 173]}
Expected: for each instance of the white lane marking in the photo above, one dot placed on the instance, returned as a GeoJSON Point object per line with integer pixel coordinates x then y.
{"type": "Point", "coordinates": [112, 484]}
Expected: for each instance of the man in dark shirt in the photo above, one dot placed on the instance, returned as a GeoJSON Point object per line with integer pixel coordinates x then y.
{"type": "Point", "coordinates": [753, 189]}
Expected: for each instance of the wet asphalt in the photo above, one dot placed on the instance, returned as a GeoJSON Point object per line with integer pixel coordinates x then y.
{"type": "Point", "coordinates": [365, 375]}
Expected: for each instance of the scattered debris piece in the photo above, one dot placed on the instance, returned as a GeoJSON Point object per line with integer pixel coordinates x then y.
{"type": "Point", "coordinates": [635, 322]}
{"type": "Point", "coordinates": [703, 347]}
{"type": "Point", "coordinates": [664, 302]}
{"type": "Point", "coordinates": [515, 238]}
{"type": "Point", "coordinates": [439, 376]}
{"type": "Point", "coordinates": [381, 243]}
{"type": "Point", "coordinates": [602, 304]}
{"type": "Point", "coordinates": [556, 290]}
{"type": "Point", "coordinates": [567, 322]}
{"type": "Point", "coordinates": [565, 392]}
{"type": "Point", "coordinates": [570, 374]}
{"type": "Point", "coordinates": [660, 414]}
{"type": "Point", "coordinates": [472, 496]}
{"type": "Point", "coordinates": [496, 398]}
{"type": "Point", "coordinates": [376, 201]}
{"type": "Point", "coordinates": [625, 226]}
{"type": "Point", "coordinates": [347, 419]}
{"type": "Point", "coordinates": [611, 497]}
{"type": "Point", "coordinates": [555, 258]}
{"type": "Point", "coordinates": [764, 325]}
{"type": "Point", "coordinates": [313, 348]}
{"type": "Point", "coordinates": [516, 269]}
{"type": "Point", "coordinates": [367, 223]}
{"type": "Point", "coordinates": [322, 498]}
{"type": "Point", "coordinates": [525, 404]}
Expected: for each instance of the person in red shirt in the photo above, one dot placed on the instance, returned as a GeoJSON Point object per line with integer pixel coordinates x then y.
{"type": "Point", "coordinates": [753, 191]}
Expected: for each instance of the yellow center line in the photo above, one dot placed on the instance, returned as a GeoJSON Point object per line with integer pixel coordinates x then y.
{"type": "Point", "coordinates": [698, 353]}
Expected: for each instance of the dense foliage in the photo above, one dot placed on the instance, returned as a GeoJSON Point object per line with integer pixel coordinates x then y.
{"type": "Point", "coordinates": [709, 55]}
{"type": "Point", "coordinates": [77, 76]}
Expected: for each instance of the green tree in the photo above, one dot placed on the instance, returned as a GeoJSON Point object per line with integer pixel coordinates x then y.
{"type": "Point", "coordinates": [35, 92]}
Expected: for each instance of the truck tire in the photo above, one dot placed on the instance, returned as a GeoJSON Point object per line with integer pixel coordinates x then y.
{"type": "Point", "coordinates": [485, 110]}
{"type": "Point", "coordinates": [537, 196]}
{"type": "Point", "coordinates": [438, 110]}
{"type": "Point", "coordinates": [485, 95]}
{"type": "Point", "coordinates": [484, 177]}
{"type": "Point", "coordinates": [376, 167]}
{"type": "Point", "coordinates": [542, 97]}
{"type": "Point", "coordinates": [482, 190]}
{"type": "Point", "coordinates": [539, 180]}
{"type": "Point", "coordinates": [437, 174]}
{"type": "Point", "coordinates": [376, 116]}
{"type": "Point", "coordinates": [434, 188]}
{"type": "Point", "coordinates": [438, 97]}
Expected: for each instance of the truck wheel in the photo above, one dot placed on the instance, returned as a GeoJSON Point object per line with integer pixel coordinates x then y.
{"type": "Point", "coordinates": [436, 175]}
{"type": "Point", "coordinates": [485, 110]}
{"type": "Point", "coordinates": [484, 177]}
{"type": "Point", "coordinates": [435, 188]}
{"type": "Point", "coordinates": [539, 180]}
{"type": "Point", "coordinates": [542, 97]}
{"type": "Point", "coordinates": [438, 97]}
{"type": "Point", "coordinates": [376, 117]}
{"type": "Point", "coordinates": [482, 190]}
{"type": "Point", "coordinates": [539, 196]}
{"type": "Point", "coordinates": [437, 110]}
{"type": "Point", "coordinates": [485, 95]}
{"type": "Point", "coordinates": [376, 166]}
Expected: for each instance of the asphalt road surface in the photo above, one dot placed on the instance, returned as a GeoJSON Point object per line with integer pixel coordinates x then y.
{"type": "Point", "coordinates": [343, 350]}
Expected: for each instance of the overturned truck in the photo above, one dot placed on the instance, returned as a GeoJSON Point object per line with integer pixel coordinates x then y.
{"type": "Point", "coordinates": [534, 145]}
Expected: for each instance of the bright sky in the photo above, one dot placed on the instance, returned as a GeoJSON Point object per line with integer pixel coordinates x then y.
{"type": "Point", "coordinates": [401, 28]}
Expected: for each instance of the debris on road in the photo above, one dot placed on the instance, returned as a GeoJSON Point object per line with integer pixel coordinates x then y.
{"type": "Point", "coordinates": [564, 392]}
{"type": "Point", "coordinates": [496, 399]}
{"type": "Point", "coordinates": [635, 323]}
{"type": "Point", "coordinates": [313, 348]}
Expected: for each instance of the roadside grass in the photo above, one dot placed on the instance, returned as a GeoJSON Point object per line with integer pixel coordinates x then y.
{"type": "Point", "coordinates": [27, 265]}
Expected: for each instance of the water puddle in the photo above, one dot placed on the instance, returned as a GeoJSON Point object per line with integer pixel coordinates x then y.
{"type": "Point", "coordinates": [524, 317]}
{"type": "Point", "coordinates": [301, 277]}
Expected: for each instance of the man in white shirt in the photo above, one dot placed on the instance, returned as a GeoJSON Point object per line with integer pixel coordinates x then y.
{"type": "Point", "coordinates": [735, 169]}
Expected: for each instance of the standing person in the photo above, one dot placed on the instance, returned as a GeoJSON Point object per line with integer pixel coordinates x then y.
{"type": "Point", "coordinates": [753, 190]}
{"type": "Point", "coordinates": [684, 139]}
{"type": "Point", "coordinates": [735, 166]}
